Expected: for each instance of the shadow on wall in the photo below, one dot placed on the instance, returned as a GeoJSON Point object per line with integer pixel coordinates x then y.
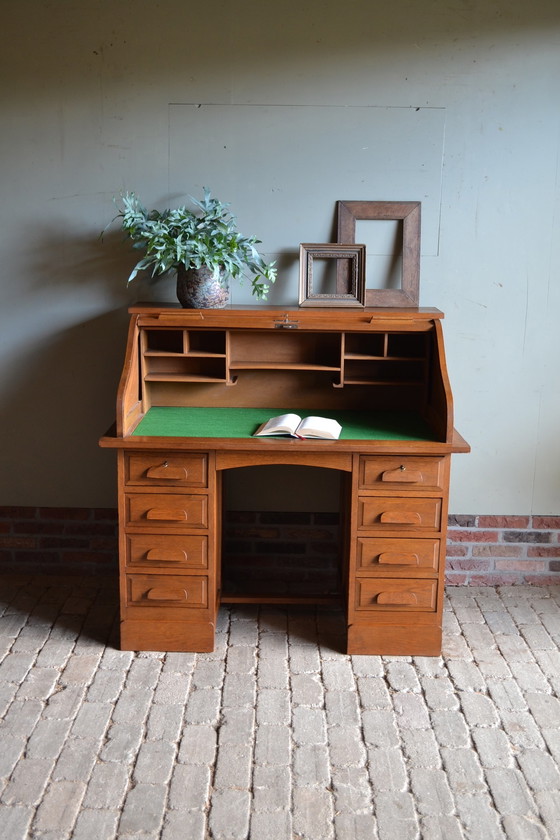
{"type": "Point", "coordinates": [53, 413]}
{"type": "Point", "coordinates": [59, 395]}
{"type": "Point", "coordinates": [70, 257]}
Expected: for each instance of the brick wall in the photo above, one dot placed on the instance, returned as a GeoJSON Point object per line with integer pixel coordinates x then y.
{"type": "Point", "coordinates": [60, 540]}
{"type": "Point", "coordinates": [293, 549]}
{"type": "Point", "coordinates": [496, 550]}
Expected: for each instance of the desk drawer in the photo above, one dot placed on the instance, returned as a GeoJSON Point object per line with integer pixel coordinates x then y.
{"type": "Point", "coordinates": [168, 511]}
{"type": "Point", "coordinates": [386, 557]}
{"type": "Point", "coordinates": [167, 590]}
{"type": "Point", "coordinates": [401, 472]}
{"type": "Point", "coordinates": [189, 551]}
{"type": "Point", "coordinates": [378, 594]}
{"type": "Point", "coordinates": [180, 469]}
{"type": "Point", "coordinates": [402, 514]}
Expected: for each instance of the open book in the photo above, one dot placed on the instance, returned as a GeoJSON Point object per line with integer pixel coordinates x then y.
{"type": "Point", "coordinates": [310, 427]}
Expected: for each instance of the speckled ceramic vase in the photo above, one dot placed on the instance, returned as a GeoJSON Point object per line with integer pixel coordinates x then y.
{"type": "Point", "coordinates": [198, 288]}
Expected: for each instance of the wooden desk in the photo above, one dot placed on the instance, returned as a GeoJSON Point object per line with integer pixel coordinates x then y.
{"type": "Point", "coordinates": [197, 383]}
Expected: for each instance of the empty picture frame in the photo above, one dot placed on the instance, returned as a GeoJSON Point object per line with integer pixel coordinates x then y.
{"type": "Point", "coordinates": [348, 212]}
{"type": "Point", "coordinates": [332, 274]}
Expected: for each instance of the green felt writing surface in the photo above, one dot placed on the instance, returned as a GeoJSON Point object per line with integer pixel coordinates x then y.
{"type": "Point", "coordinates": [179, 421]}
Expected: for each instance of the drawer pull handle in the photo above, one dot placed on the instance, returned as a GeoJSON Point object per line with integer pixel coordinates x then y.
{"type": "Point", "coordinates": [407, 599]}
{"type": "Point", "coordinates": [167, 472]}
{"type": "Point", "coordinates": [403, 476]}
{"type": "Point", "coordinates": [393, 558]}
{"type": "Point", "coordinates": [167, 515]}
{"type": "Point", "coordinates": [398, 517]}
{"type": "Point", "coordinates": [165, 593]}
{"type": "Point", "coordinates": [161, 555]}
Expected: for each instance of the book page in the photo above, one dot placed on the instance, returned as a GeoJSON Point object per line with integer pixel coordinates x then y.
{"type": "Point", "coordinates": [283, 424]}
{"type": "Point", "coordinates": [319, 427]}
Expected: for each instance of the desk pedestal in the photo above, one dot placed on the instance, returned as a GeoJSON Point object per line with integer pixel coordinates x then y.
{"type": "Point", "coordinates": [394, 510]}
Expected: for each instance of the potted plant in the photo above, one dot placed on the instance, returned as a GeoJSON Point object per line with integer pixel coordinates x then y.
{"type": "Point", "coordinates": [203, 246]}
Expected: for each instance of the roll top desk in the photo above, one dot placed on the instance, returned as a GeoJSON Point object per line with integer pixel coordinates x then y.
{"type": "Point", "coordinates": [195, 386]}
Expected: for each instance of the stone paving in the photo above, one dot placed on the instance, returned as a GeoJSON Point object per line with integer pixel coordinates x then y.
{"type": "Point", "coordinates": [277, 735]}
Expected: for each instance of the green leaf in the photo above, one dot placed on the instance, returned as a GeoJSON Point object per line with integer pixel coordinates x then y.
{"type": "Point", "coordinates": [207, 236]}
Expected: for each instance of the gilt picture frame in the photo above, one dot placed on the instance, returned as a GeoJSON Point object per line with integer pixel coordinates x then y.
{"type": "Point", "coordinates": [409, 213]}
{"type": "Point", "coordinates": [346, 265]}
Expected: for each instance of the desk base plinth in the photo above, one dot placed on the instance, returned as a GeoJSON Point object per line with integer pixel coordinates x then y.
{"type": "Point", "coordinates": [394, 640]}
{"type": "Point", "coordinates": [174, 636]}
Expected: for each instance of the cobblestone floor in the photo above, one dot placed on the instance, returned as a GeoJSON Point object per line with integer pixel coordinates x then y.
{"type": "Point", "coordinates": [277, 734]}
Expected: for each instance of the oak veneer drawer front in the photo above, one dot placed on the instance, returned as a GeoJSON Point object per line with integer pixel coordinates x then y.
{"type": "Point", "coordinates": [385, 557]}
{"type": "Point", "coordinates": [188, 469]}
{"type": "Point", "coordinates": [399, 594]}
{"type": "Point", "coordinates": [161, 511]}
{"type": "Point", "coordinates": [409, 514]}
{"type": "Point", "coordinates": [401, 471]}
{"type": "Point", "coordinates": [189, 551]}
{"type": "Point", "coordinates": [167, 590]}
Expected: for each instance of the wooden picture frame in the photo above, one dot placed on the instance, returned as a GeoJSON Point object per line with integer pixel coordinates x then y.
{"type": "Point", "coordinates": [350, 274]}
{"type": "Point", "coordinates": [348, 212]}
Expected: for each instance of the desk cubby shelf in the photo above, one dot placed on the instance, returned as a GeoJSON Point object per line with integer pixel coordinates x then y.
{"type": "Point", "coordinates": [170, 355]}
{"type": "Point", "coordinates": [380, 358]}
{"type": "Point", "coordinates": [180, 425]}
{"type": "Point", "coordinates": [272, 365]}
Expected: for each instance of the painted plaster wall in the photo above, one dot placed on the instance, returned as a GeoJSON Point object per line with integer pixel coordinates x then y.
{"type": "Point", "coordinates": [86, 92]}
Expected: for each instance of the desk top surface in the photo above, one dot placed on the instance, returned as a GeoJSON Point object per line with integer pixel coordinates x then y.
{"type": "Point", "coordinates": [169, 421]}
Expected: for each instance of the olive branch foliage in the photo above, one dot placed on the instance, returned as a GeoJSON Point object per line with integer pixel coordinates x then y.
{"type": "Point", "coordinates": [206, 236]}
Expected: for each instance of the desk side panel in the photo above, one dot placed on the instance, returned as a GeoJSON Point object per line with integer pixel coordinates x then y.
{"type": "Point", "coordinates": [440, 399]}
{"type": "Point", "coordinates": [129, 405]}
